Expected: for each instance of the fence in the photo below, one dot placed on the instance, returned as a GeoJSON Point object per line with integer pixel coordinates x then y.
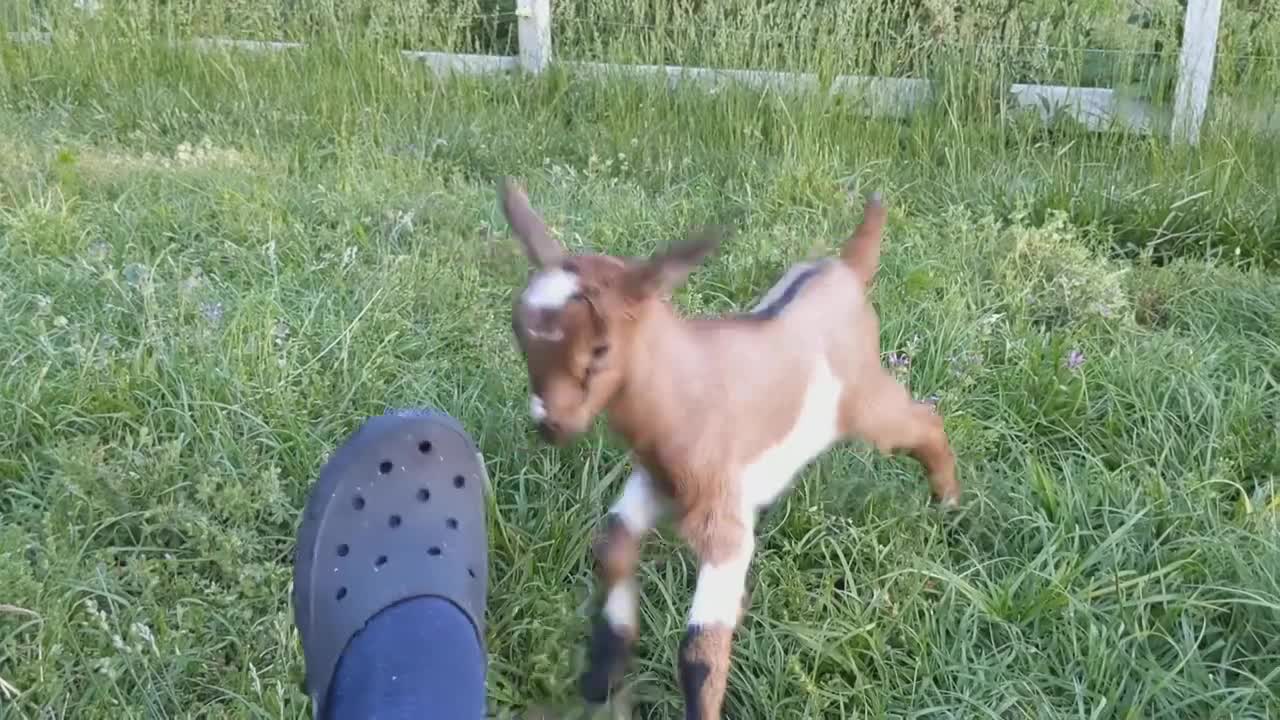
{"type": "Point", "coordinates": [1097, 108]}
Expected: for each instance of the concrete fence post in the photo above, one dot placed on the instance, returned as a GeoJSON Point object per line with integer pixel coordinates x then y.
{"type": "Point", "coordinates": [1195, 68]}
{"type": "Point", "coordinates": [535, 34]}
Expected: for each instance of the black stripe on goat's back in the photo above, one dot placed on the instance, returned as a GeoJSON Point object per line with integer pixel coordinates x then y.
{"type": "Point", "coordinates": [774, 308]}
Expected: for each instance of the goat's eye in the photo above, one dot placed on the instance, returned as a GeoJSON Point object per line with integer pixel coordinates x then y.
{"type": "Point", "coordinates": [599, 351]}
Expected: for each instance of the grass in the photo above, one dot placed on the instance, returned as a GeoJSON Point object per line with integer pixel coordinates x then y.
{"type": "Point", "coordinates": [213, 267]}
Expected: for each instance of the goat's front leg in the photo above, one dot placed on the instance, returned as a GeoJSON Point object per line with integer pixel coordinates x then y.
{"type": "Point", "coordinates": [617, 551]}
{"type": "Point", "coordinates": [724, 548]}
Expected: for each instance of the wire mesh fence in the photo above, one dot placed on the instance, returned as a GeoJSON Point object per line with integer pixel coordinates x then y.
{"type": "Point", "coordinates": [1131, 46]}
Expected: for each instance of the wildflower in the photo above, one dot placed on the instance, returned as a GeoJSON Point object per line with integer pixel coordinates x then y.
{"type": "Point", "coordinates": [401, 222]}
{"type": "Point", "coordinates": [281, 333]}
{"type": "Point", "coordinates": [960, 364]}
{"type": "Point", "coordinates": [212, 312]}
{"type": "Point", "coordinates": [1075, 359]}
{"type": "Point", "coordinates": [135, 274]}
{"type": "Point", "coordinates": [99, 251]}
{"type": "Point", "coordinates": [144, 636]}
{"type": "Point", "coordinates": [192, 282]}
{"type": "Point", "coordinates": [899, 360]}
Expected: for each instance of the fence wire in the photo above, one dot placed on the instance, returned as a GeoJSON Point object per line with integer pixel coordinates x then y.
{"type": "Point", "coordinates": [743, 38]}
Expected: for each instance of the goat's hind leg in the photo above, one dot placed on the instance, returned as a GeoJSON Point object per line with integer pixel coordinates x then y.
{"type": "Point", "coordinates": [724, 548]}
{"type": "Point", "coordinates": [884, 414]}
{"type": "Point", "coordinates": [617, 552]}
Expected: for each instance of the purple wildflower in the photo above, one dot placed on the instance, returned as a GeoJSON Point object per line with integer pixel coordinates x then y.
{"type": "Point", "coordinates": [1075, 359]}
{"type": "Point", "coordinates": [899, 360]}
{"type": "Point", "coordinates": [962, 363]}
{"type": "Point", "coordinates": [99, 251]}
{"type": "Point", "coordinates": [135, 274]}
{"type": "Point", "coordinates": [212, 312]}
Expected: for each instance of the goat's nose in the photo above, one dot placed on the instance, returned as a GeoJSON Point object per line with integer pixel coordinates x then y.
{"type": "Point", "coordinates": [549, 430]}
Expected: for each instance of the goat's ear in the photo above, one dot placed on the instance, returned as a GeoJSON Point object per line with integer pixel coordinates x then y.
{"type": "Point", "coordinates": [663, 273]}
{"type": "Point", "coordinates": [539, 246]}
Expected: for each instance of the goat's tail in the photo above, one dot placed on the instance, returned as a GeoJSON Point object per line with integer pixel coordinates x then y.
{"type": "Point", "coordinates": [861, 251]}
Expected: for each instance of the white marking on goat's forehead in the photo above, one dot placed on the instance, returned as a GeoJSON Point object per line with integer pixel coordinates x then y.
{"type": "Point", "coordinates": [537, 408]}
{"type": "Point", "coordinates": [816, 427]}
{"type": "Point", "coordinates": [551, 289]}
{"type": "Point", "coordinates": [717, 598]}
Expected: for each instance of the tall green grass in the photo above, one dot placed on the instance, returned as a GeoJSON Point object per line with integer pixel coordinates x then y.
{"type": "Point", "coordinates": [1130, 43]}
{"type": "Point", "coordinates": [1155, 198]}
{"type": "Point", "coordinates": [213, 265]}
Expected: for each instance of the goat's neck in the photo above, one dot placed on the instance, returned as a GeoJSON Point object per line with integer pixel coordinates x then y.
{"type": "Point", "coordinates": [668, 383]}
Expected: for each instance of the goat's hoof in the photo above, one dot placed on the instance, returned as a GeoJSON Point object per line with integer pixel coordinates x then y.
{"type": "Point", "coordinates": [595, 685]}
{"type": "Point", "coordinates": [947, 497]}
{"type": "Point", "coordinates": [606, 661]}
{"type": "Point", "coordinates": [948, 502]}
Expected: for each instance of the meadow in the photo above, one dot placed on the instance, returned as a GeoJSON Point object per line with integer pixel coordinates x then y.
{"type": "Point", "coordinates": [214, 266]}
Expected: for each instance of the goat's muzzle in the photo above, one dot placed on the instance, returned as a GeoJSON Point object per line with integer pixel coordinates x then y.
{"type": "Point", "coordinates": [553, 433]}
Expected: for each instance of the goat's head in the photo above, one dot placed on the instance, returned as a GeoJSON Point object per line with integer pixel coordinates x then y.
{"type": "Point", "coordinates": [577, 317]}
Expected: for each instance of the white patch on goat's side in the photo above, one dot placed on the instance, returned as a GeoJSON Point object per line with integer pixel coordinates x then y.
{"type": "Point", "coordinates": [717, 599]}
{"type": "Point", "coordinates": [639, 506]}
{"type": "Point", "coordinates": [537, 408]}
{"type": "Point", "coordinates": [620, 607]}
{"type": "Point", "coordinates": [551, 289]}
{"type": "Point", "coordinates": [781, 286]}
{"type": "Point", "coordinates": [815, 429]}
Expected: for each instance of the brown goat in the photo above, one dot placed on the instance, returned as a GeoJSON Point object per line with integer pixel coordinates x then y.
{"type": "Point", "coordinates": [720, 414]}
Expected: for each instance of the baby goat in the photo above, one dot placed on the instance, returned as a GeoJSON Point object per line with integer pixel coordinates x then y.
{"type": "Point", "coordinates": [719, 414]}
